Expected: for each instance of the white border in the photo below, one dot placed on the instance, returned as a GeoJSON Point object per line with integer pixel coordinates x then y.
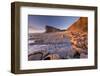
{"type": "Point", "coordinates": [25, 64]}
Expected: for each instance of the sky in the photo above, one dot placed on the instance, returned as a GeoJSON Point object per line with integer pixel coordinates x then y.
{"type": "Point", "coordinates": [37, 23]}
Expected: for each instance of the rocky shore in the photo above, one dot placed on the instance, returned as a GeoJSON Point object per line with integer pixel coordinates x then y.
{"type": "Point", "coordinates": [60, 44]}
{"type": "Point", "coordinates": [79, 43]}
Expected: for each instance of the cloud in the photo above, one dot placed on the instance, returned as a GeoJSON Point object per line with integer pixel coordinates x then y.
{"type": "Point", "coordinates": [33, 30]}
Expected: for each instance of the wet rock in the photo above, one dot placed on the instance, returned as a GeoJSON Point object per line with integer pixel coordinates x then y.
{"type": "Point", "coordinates": [52, 57]}
{"type": "Point", "coordinates": [38, 55]}
{"type": "Point", "coordinates": [35, 56]}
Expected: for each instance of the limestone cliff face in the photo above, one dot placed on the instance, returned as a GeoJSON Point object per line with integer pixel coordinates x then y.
{"type": "Point", "coordinates": [78, 34]}
{"type": "Point", "coordinates": [79, 26]}
{"type": "Point", "coordinates": [51, 29]}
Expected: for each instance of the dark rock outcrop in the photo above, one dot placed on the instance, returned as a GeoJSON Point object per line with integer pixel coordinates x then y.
{"type": "Point", "coordinates": [51, 29]}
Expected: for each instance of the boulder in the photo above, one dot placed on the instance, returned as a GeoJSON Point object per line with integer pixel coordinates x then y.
{"type": "Point", "coordinates": [52, 57]}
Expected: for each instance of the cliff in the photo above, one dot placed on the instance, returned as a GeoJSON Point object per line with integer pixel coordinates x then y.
{"type": "Point", "coordinates": [79, 26]}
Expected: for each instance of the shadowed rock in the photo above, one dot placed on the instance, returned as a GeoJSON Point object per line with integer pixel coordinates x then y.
{"type": "Point", "coordinates": [83, 55]}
